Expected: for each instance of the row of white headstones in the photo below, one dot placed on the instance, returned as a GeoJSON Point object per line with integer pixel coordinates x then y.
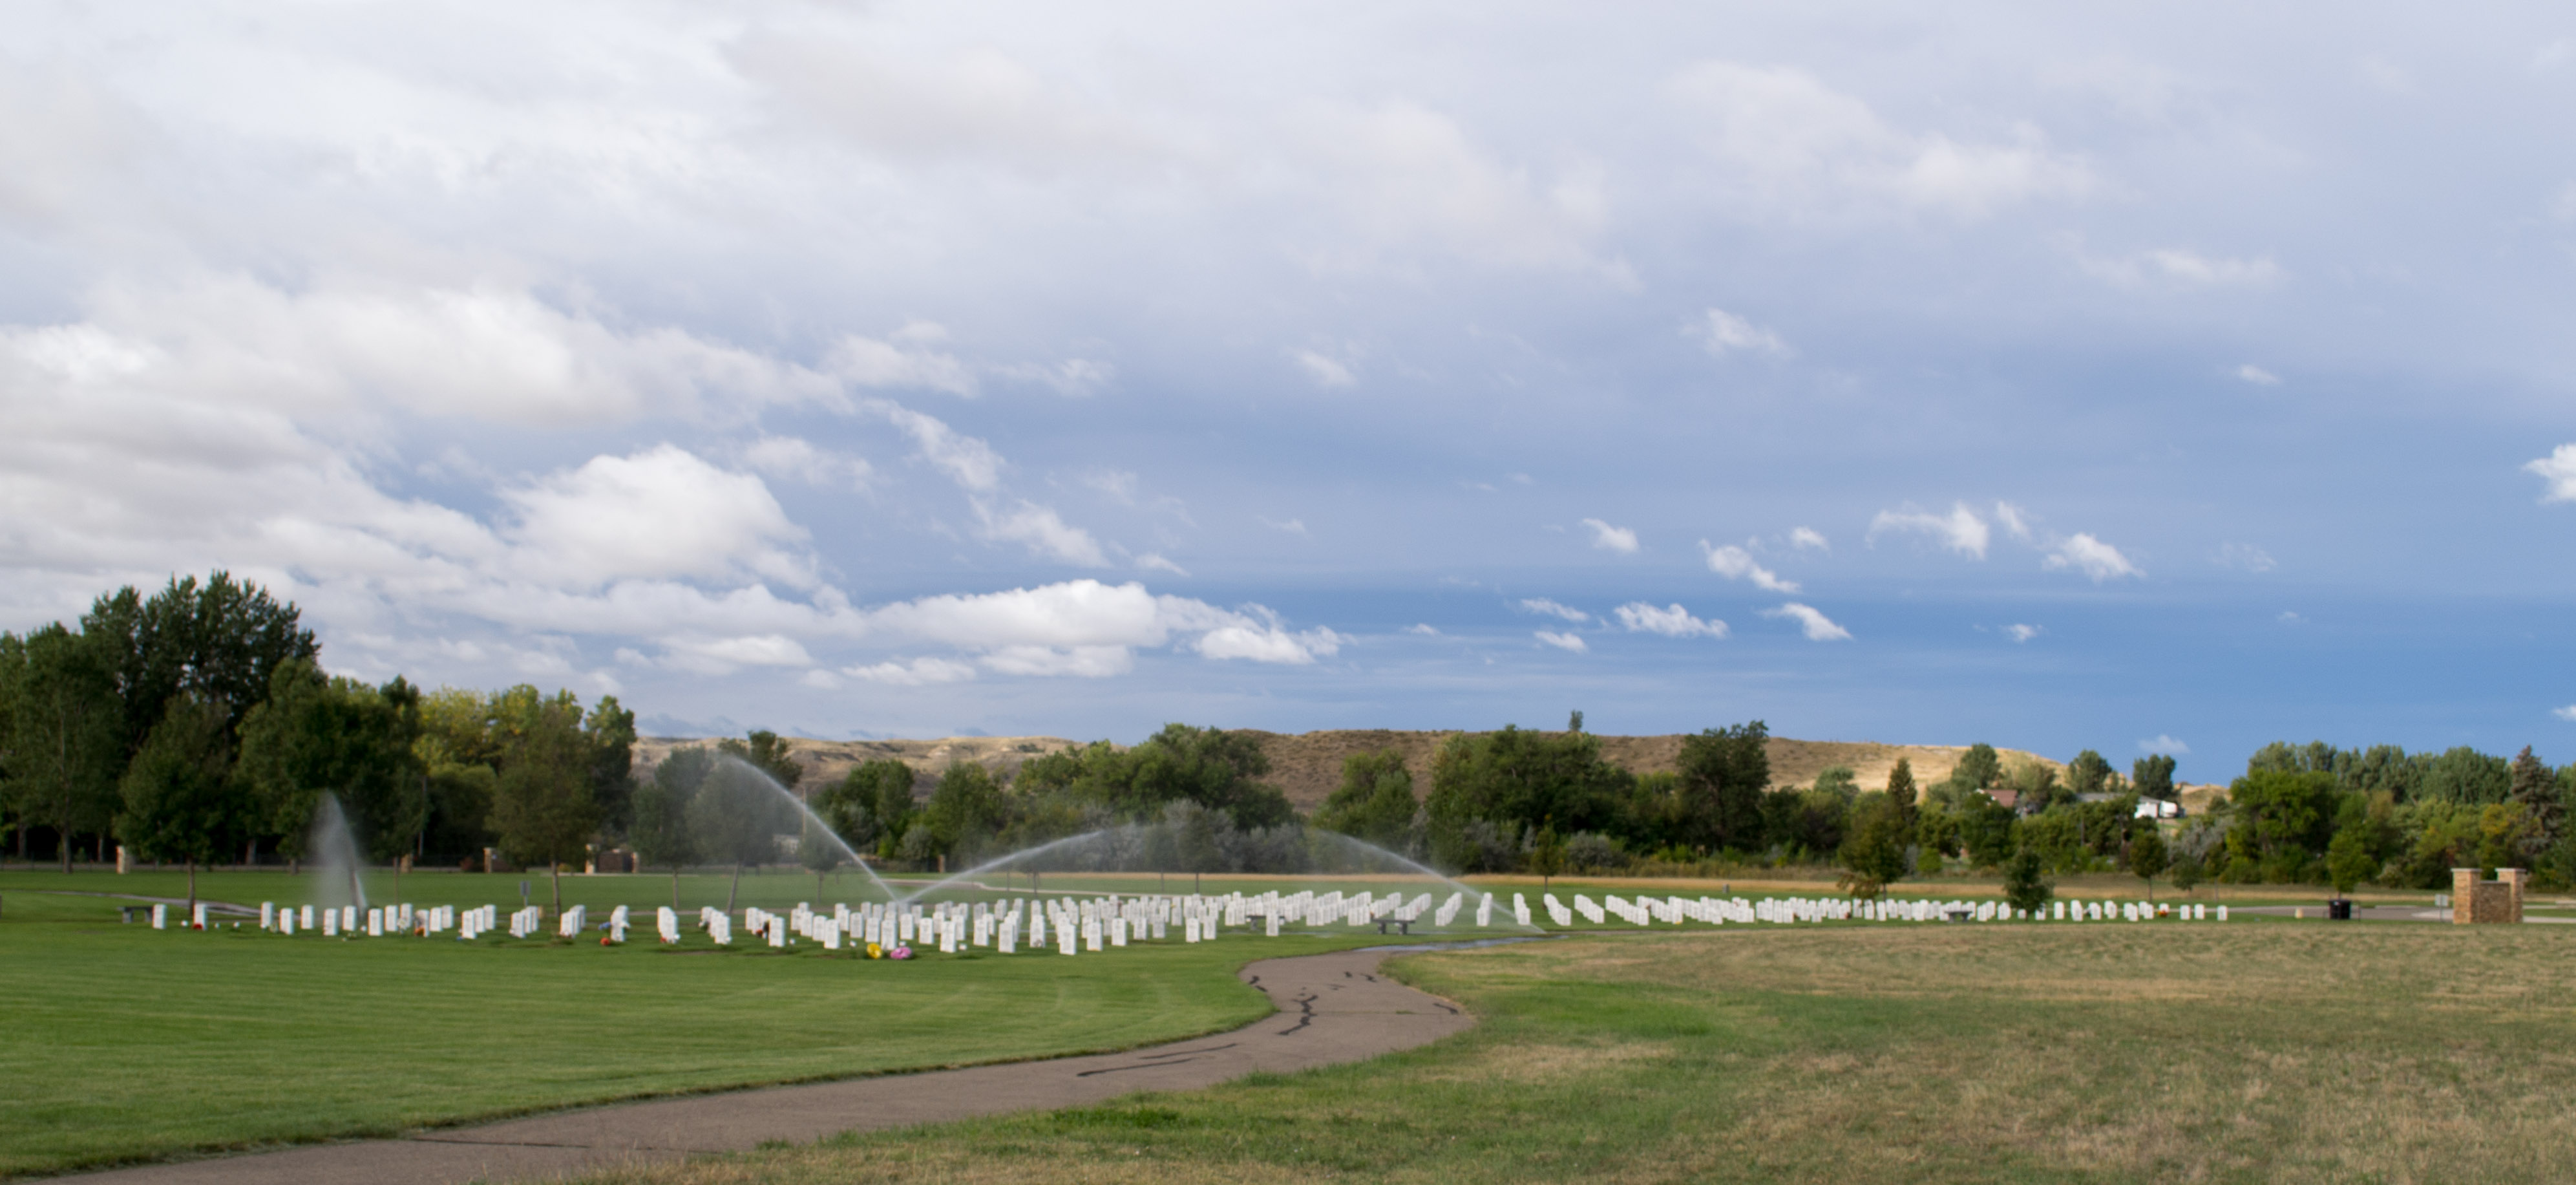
{"type": "Point", "coordinates": [1114, 921]}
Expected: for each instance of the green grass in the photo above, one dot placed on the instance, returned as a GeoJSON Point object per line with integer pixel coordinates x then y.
{"type": "Point", "coordinates": [2274, 1053]}
{"type": "Point", "coordinates": [123, 1043]}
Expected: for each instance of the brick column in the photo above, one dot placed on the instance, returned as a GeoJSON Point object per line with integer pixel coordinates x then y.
{"type": "Point", "coordinates": [2464, 896]}
{"type": "Point", "coordinates": [2513, 878]}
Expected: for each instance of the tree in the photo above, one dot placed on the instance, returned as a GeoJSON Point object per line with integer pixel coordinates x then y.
{"type": "Point", "coordinates": [221, 640]}
{"type": "Point", "coordinates": [178, 803]}
{"type": "Point", "coordinates": [765, 751]}
{"type": "Point", "coordinates": [317, 735]}
{"type": "Point", "coordinates": [2186, 873]}
{"type": "Point", "coordinates": [660, 831]}
{"type": "Point", "coordinates": [1375, 801]}
{"type": "Point", "coordinates": [736, 817]}
{"type": "Point", "coordinates": [2088, 773]}
{"type": "Point", "coordinates": [65, 736]}
{"type": "Point", "coordinates": [818, 850]}
{"type": "Point", "coordinates": [2348, 859]}
{"type": "Point", "coordinates": [2535, 787]}
{"type": "Point", "coordinates": [1874, 854]}
{"type": "Point", "coordinates": [1547, 854]}
{"type": "Point", "coordinates": [2026, 888]}
{"type": "Point", "coordinates": [544, 803]}
{"type": "Point", "coordinates": [2153, 776]}
{"type": "Point", "coordinates": [1514, 779]}
{"type": "Point", "coordinates": [1900, 789]}
{"type": "Point", "coordinates": [1723, 774]}
{"type": "Point", "coordinates": [1212, 767]}
{"type": "Point", "coordinates": [1978, 768]}
{"type": "Point", "coordinates": [966, 809]}
{"type": "Point", "coordinates": [1574, 723]}
{"type": "Point", "coordinates": [871, 806]}
{"type": "Point", "coordinates": [2147, 855]}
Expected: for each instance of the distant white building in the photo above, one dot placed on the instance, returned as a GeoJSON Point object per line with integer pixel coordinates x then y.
{"type": "Point", "coordinates": [2157, 808]}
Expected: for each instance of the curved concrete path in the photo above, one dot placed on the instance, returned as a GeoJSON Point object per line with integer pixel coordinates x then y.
{"type": "Point", "coordinates": [1331, 1008]}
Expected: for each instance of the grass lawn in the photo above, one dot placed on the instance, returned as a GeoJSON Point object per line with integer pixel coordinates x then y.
{"type": "Point", "coordinates": [2390, 1052]}
{"type": "Point", "coordinates": [124, 1043]}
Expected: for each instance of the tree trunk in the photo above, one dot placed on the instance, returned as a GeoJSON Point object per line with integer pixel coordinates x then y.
{"type": "Point", "coordinates": [675, 887]}
{"type": "Point", "coordinates": [736, 890]}
{"type": "Point", "coordinates": [66, 847]}
{"type": "Point", "coordinates": [192, 886]}
{"type": "Point", "coordinates": [250, 854]}
{"type": "Point", "coordinates": [554, 872]}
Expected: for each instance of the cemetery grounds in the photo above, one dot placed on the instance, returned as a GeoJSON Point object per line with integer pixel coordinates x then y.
{"type": "Point", "coordinates": [2258, 1050]}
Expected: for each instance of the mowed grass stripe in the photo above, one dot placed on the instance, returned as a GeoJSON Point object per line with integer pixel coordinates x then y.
{"type": "Point", "coordinates": [125, 1043]}
{"type": "Point", "coordinates": [2316, 1053]}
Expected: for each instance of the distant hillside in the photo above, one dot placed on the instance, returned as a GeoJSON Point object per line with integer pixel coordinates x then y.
{"type": "Point", "coordinates": [1307, 766]}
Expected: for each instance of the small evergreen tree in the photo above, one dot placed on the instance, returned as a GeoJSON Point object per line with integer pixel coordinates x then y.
{"type": "Point", "coordinates": [2026, 886]}
{"type": "Point", "coordinates": [2147, 856]}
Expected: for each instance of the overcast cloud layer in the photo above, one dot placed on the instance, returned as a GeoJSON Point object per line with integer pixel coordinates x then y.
{"type": "Point", "coordinates": [2157, 378]}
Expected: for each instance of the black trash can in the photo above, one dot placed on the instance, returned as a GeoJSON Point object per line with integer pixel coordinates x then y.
{"type": "Point", "coordinates": [2339, 910]}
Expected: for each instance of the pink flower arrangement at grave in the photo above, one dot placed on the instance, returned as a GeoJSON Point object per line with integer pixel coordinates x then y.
{"type": "Point", "coordinates": [900, 952]}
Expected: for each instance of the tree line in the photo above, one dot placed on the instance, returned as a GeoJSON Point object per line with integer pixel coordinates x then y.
{"type": "Point", "coordinates": [197, 726]}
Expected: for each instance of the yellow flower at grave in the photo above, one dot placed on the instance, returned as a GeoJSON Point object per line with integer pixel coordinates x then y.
{"type": "Point", "coordinates": [875, 951]}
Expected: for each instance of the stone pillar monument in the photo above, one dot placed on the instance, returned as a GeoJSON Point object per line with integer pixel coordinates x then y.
{"type": "Point", "coordinates": [2475, 901]}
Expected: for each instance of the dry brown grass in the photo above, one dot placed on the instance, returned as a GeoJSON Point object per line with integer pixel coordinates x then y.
{"type": "Point", "coordinates": [2243, 1053]}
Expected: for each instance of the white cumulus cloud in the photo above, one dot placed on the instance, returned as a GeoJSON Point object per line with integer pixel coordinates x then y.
{"type": "Point", "coordinates": [2015, 521]}
{"type": "Point", "coordinates": [1813, 623]}
{"type": "Point", "coordinates": [2559, 470]}
{"type": "Point", "coordinates": [2023, 633]}
{"type": "Point", "coordinates": [1960, 530]}
{"type": "Point", "coordinates": [1561, 641]}
{"type": "Point", "coordinates": [2084, 553]}
{"type": "Point", "coordinates": [1806, 538]}
{"type": "Point", "coordinates": [2565, 713]}
{"type": "Point", "coordinates": [1724, 333]}
{"type": "Point", "coordinates": [2257, 375]}
{"type": "Point", "coordinates": [1672, 621]}
{"type": "Point", "coordinates": [1790, 145]}
{"type": "Point", "coordinates": [1044, 531]}
{"type": "Point", "coordinates": [1610, 538]}
{"type": "Point", "coordinates": [1323, 369]}
{"type": "Point", "coordinates": [1735, 563]}
{"type": "Point", "coordinates": [2161, 743]}
{"type": "Point", "coordinates": [916, 673]}
{"type": "Point", "coordinates": [1553, 609]}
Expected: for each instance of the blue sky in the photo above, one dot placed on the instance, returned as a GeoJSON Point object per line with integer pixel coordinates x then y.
{"type": "Point", "coordinates": [2147, 377]}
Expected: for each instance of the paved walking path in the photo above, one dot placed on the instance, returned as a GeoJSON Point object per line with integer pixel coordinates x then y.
{"type": "Point", "coordinates": [1332, 1008]}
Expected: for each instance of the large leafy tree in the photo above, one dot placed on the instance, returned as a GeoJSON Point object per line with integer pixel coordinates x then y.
{"type": "Point", "coordinates": [65, 733]}
{"type": "Point", "coordinates": [1375, 801]}
{"type": "Point", "coordinates": [736, 817]}
{"type": "Point", "coordinates": [1873, 854]}
{"type": "Point", "coordinates": [2152, 776]}
{"type": "Point", "coordinates": [660, 831]}
{"type": "Point", "coordinates": [179, 804]}
{"type": "Point", "coordinates": [318, 735]}
{"type": "Point", "coordinates": [221, 640]}
{"type": "Point", "coordinates": [765, 751]}
{"type": "Point", "coordinates": [1978, 768]}
{"type": "Point", "coordinates": [2088, 773]}
{"type": "Point", "coordinates": [871, 805]}
{"type": "Point", "coordinates": [1724, 772]}
{"type": "Point", "coordinates": [544, 802]}
{"type": "Point", "coordinates": [966, 809]}
{"type": "Point", "coordinates": [1520, 779]}
{"type": "Point", "coordinates": [1217, 769]}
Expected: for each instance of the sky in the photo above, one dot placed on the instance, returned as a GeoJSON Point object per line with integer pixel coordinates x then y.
{"type": "Point", "coordinates": [2146, 378]}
